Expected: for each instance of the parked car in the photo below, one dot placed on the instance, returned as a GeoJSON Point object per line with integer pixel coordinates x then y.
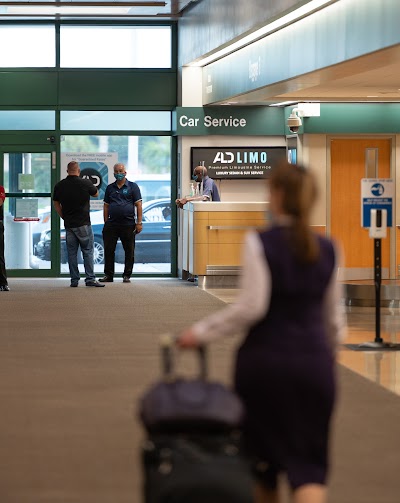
{"type": "Point", "coordinates": [153, 186]}
{"type": "Point", "coordinates": [153, 244]}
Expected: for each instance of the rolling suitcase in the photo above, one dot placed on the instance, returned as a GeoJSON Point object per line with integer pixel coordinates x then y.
{"type": "Point", "coordinates": [177, 404]}
{"type": "Point", "coordinates": [192, 453]}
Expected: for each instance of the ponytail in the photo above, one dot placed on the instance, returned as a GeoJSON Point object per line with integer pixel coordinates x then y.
{"type": "Point", "coordinates": [299, 192]}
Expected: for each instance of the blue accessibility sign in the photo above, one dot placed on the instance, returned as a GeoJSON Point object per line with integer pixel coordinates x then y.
{"type": "Point", "coordinates": [376, 194]}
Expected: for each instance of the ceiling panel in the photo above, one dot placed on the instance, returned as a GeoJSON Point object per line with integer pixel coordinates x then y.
{"type": "Point", "coordinates": [374, 77]}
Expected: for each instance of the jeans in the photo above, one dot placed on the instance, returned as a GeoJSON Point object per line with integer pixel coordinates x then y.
{"type": "Point", "coordinates": [3, 274]}
{"type": "Point", "coordinates": [83, 237]}
{"type": "Point", "coordinates": [111, 233]}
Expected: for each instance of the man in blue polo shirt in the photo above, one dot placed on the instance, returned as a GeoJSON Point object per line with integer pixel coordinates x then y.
{"type": "Point", "coordinates": [122, 200]}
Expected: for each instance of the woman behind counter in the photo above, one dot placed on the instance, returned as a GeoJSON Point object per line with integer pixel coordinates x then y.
{"type": "Point", "coordinates": [289, 307]}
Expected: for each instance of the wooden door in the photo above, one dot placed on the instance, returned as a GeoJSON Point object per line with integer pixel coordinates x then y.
{"type": "Point", "coordinates": [348, 166]}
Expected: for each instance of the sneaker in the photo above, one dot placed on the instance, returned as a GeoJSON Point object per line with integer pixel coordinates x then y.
{"type": "Point", "coordinates": [126, 279]}
{"type": "Point", "coordinates": [106, 279]}
{"type": "Point", "coordinates": [4, 288]}
{"type": "Point", "coordinates": [93, 283]}
{"type": "Point", "coordinates": [73, 285]}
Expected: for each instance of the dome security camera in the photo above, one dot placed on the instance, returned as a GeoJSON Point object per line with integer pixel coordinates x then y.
{"type": "Point", "coordinates": [294, 122]}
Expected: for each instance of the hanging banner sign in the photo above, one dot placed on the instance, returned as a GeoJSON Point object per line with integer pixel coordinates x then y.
{"type": "Point", "coordinates": [237, 162]}
{"type": "Point", "coordinates": [377, 194]}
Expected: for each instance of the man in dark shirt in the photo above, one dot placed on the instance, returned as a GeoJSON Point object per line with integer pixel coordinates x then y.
{"type": "Point", "coordinates": [71, 199]}
{"type": "Point", "coordinates": [3, 275]}
{"type": "Point", "coordinates": [121, 199]}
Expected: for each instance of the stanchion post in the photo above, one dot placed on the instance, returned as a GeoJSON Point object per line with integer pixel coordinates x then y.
{"type": "Point", "coordinates": [378, 281]}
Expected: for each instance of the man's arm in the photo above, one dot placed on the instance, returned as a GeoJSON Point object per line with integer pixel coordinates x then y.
{"type": "Point", "coordinates": [139, 213]}
{"type": "Point", "coordinates": [181, 202]}
{"type": "Point", "coordinates": [105, 212]}
{"type": "Point", "coordinates": [58, 208]}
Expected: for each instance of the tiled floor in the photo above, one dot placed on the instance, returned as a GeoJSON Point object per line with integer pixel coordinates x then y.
{"type": "Point", "coordinates": [383, 367]}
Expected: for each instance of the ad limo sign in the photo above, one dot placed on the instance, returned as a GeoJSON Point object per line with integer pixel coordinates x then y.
{"type": "Point", "coordinates": [237, 162]}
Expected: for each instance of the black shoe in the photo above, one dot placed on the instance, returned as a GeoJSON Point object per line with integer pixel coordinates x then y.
{"type": "Point", "coordinates": [126, 279]}
{"type": "Point", "coordinates": [93, 283]}
{"type": "Point", "coordinates": [106, 279]}
{"type": "Point", "coordinates": [73, 285]}
{"type": "Point", "coordinates": [4, 288]}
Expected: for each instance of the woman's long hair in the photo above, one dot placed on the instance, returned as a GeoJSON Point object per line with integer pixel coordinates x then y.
{"type": "Point", "coordinates": [298, 190]}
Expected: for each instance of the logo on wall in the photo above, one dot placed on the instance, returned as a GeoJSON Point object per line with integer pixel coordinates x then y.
{"type": "Point", "coordinates": [97, 173]}
{"type": "Point", "coordinates": [237, 162]}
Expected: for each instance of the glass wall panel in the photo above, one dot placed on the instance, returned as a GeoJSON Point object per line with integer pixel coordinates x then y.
{"type": "Point", "coordinates": [115, 47]}
{"type": "Point", "coordinates": [98, 120]}
{"type": "Point", "coordinates": [148, 163]}
{"type": "Point", "coordinates": [16, 120]}
{"type": "Point", "coordinates": [27, 217]}
{"type": "Point", "coordinates": [27, 46]}
{"type": "Point", "coordinates": [26, 246]}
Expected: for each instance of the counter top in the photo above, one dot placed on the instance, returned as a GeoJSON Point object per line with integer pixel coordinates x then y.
{"type": "Point", "coordinates": [228, 206]}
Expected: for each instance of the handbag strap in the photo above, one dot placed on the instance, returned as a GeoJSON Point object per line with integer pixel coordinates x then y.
{"type": "Point", "coordinates": [167, 344]}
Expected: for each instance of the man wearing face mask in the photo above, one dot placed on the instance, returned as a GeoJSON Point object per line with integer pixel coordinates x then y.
{"type": "Point", "coordinates": [208, 190]}
{"type": "Point", "coordinates": [122, 219]}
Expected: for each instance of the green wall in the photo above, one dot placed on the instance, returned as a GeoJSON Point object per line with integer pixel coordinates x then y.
{"type": "Point", "coordinates": [146, 89]}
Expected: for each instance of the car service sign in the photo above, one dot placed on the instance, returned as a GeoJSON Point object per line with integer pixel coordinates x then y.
{"type": "Point", "coordinates": [376, 194]}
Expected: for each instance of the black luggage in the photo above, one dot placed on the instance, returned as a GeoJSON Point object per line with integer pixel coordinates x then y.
{"type": "Point", "coordinates": [192, 453]}
{"type": "Point", "coordinates": [185, 469]}
{"type": "Point", "coordinates": [176, 404]}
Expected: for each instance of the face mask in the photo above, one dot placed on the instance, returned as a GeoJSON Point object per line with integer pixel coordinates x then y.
{"type": "Point", "coordinates": [119, 176]}
{"type": "Point", "coordinates": [195, 178]}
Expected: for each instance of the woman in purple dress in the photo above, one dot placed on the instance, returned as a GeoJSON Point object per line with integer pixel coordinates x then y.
{"type": "Point", "coordinates": [289, 309]}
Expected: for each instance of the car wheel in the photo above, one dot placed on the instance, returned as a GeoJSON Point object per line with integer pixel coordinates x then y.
{"type": "Point", "coordinates": [98, 252]}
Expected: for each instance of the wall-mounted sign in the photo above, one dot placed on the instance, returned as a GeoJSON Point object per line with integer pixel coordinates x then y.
{"type": "Point", "coordinates": [237, 162]}
{"type": "Point", "coordinates": [26, 181]}
{"type": "Point", "coordinates": [97, 167]}
{"type": "Point", "coordinates": [231, 121]}
{"type": "Point", "coordinates": [377, 194]}
{"type": "Point", "coordinates": [26, 210]}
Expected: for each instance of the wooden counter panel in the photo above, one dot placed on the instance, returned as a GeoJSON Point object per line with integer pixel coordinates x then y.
{"type": "Point", "coordinates": [201, 232]}
{"type": "Point", "coordinates": [233, 237]}
{"type": "Point", "coordinates": [224, 254]}
{"type": "Point", "coordinates": [236, 215]}
{"type": "Point", "coordinates": [201, 215]}
{"type": "Point", "coordinates": [199, 261]}
{"type": "Point", "coordinates": [223, 246]}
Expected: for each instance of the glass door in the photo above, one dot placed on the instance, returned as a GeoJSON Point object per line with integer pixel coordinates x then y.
{"type": "Point", "coordinates": [27, 180]}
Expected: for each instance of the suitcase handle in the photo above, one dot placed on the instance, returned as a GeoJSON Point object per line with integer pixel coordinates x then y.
{"type": "Point", "coordinates": [167, 344]}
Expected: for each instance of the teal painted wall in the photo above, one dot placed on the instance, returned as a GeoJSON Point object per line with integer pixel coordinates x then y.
{"type": "Point", "coordinates": [351, 118]}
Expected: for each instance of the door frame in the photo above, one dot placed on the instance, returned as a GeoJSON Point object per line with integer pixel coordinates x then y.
{"type": "Point", "coordinates": [25, 147]}
{"type": "Point", "coordinates": [393, 272]}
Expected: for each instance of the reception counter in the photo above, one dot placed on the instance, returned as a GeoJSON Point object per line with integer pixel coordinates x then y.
{"type": "Point", "coordinates": [213, 235]}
